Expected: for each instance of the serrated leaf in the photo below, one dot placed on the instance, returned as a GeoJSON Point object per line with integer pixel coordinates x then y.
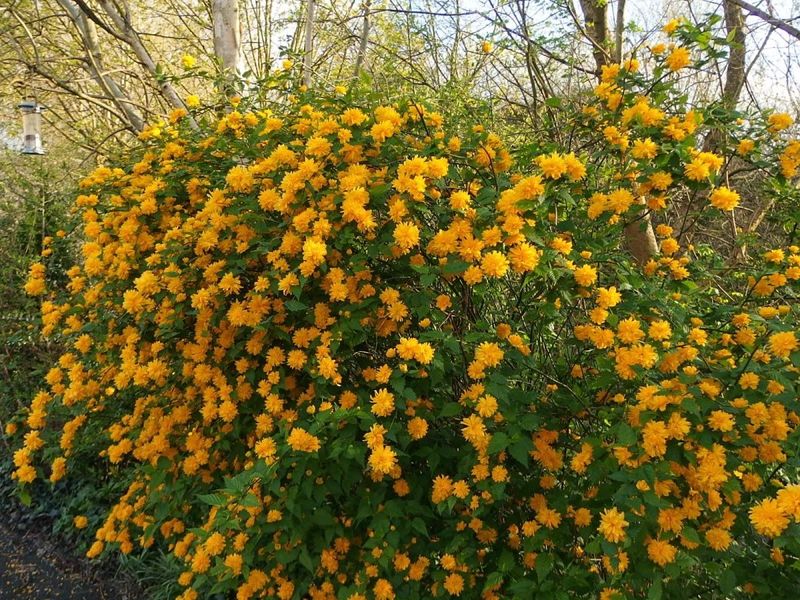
{"type": "Point", "coordinates": [727, 581]}
{"type": "Point", "coordinates": [450, 409]}
{"type": "Point", "coordinates": [544, 564]}
{"type": "Point", "coordinates": [656, 591]}
{"type": "Point", "coordinates": [499, 442]}
{"type": "Point", "coordinates": [213, 499]}
{"type": "Point", "coordinates": [519, 450]}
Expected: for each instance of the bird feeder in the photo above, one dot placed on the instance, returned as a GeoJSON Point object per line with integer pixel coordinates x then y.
{"type": "Point", "coordinates": [31, 126]}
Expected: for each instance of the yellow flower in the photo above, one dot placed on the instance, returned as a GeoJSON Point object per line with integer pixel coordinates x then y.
{"type": "Point", "coordinates": [678, 59]}
{"type": "Point", "coordinates": [302, 441]}
{"type": "Point", "coordinates": [783, 344]}
{"type": "Point", "coordinates": [406, 236]}
{"type": "Point", "coordinates": [192, 101]}
{"type": "Point", "coordinates": [488, 354]}
{"type": "Point", "coordinates": [80, 522]}
{"type": "Point", "coordinates": [382, 459]}
{"type": "Point", "coordinates": [382, 403]}
{"type": "Point", "coordinates": [524, 257]}
{"type": "Point", "coordinates": [768, 518]}
{"type": "Point", "coordinates": [612, 525]}
{"type": "Point", "coordinates": [719, 420]}
{"type": "Point", "coordinates": [486, 47]}
{"type": "Point", "coordinates": [789, 501]}
{"type": "Point", "coordinates": [442, 487]}
{"type": "Point", "coordinates": [552, 165]}
{"type": "Point", "coordinates": [660, 330]}
{"type": "Point", "coordinates": [745, 147]}
{"type": "Point", "coordinates": [697, 170]}
{"type": "Point", "coordinates": [779, 122]}
{"type": "Point", "coordinates": [661, 552]}
{"type": "Point", "coordinates": [494, 264]}
{"type": "Point", "coordinates": [654, 438]}
{"type": "Point", "coordinates": [266, 448]}
{"type": "Point", "coordinates": [671, 26]}
{"type": "Point", "coordinates": [188, 61]}
{"type": "Point", "coordinates": [718, 539]}
{"type": "Point", "coordinates": [643, 149]}
{"type": "Point", "coordinates": [585, 275]}
{"type": "Point", "coordinates": [417, 428]}
{"type": "Point", "coordinates": [454, 584]}
{"type": "Point", "coordinates": [724, 198]}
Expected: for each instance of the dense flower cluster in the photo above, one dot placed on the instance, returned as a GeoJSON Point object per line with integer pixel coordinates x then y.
{"type": "Point", "coordinates": [348, 352]}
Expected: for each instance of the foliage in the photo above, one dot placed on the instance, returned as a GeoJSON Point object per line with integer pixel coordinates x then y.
{"type": "Point", "coordinates": [351, 351]}
{"type": "Point", "coordinates": [30, 211]}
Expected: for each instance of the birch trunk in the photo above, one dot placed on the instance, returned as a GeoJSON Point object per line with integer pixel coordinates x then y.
{"type": "Point", "coordinates": [308, 48]}
{"type": "Point", "coordinates": [131, 37]}
{"type": "Point", "coordinates": [96, 65]}
{"type": "Point", "coordinates": [362, 44]}
{"type": "Point", "coordinates": [227, 37]}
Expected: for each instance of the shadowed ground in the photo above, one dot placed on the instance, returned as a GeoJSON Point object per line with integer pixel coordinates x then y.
{"type": "Point", "coordinates": [33, 567]}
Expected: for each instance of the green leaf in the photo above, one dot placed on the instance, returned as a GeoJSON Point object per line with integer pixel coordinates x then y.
{"type": "Point", "coordinates": [450, 409]}
{"type": "Point", "coordinates": [656, 591]}
{"type": "Point", "coordinates": [519, 450]}
{"type": "Point", "coordinates": [213, 499]}
{"type": "Point", "coordinates": [544, 564]}
{"type": "Point", "coordinates": [691, 534]}
{"type": "Point", "coordinates": [305, 560]}
{"type": "Point", "coordinates": [295, 305]}
{"type": "Point", "coordinates": [727, 581]}
{"type": "Point", "coordinates": [419, 526]}
{"type": "Point", "coordinates": [506, 561]}
{"type": "Point", "coordinates": [626, 435]}
{"type": "Point", "coordinates": [499, 442]}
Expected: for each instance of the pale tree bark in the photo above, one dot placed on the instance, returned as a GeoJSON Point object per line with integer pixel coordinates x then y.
{"type": "Point", "coordinates": [127, 33]}
{"type": "Point", "coordinates": [308, 47]}
{"type": "Point", "coordinates": [619, 29]}
{"type": "Point", "coordinates": [363, 40]}
{"type": "Point", "coordinates": [227, 37]}
{"type": "Point", "coordinates": [96, 65]}
{"type": "Point", "coordinates": [640, 239]}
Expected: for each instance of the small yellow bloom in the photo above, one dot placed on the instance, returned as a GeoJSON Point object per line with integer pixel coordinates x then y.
{"type": "Point", "coordinates": [188, 61]}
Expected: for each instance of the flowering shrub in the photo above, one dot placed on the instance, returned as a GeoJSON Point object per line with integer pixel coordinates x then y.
{"type": "Point", "coordinates": [346, 351]}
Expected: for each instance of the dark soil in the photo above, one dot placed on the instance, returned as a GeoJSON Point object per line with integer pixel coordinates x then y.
{"type": "Point", "coordinates": [34, 566]}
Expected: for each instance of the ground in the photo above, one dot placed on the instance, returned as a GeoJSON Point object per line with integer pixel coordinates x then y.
{"type": "Point", "coordinates": [35, 566]}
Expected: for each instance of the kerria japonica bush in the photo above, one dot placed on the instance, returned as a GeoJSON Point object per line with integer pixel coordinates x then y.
{"type": "Point", "coordinates": [351, 351]}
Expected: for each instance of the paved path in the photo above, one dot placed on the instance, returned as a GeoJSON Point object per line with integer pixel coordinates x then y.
{"type": "Point", "coordinates": [33, 568]}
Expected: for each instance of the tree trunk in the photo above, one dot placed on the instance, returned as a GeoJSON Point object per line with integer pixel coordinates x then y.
{"type": "Point", "coordinates": [96, 67]}
{"type": "Point", "coordinates": [308, 48]}
{"type": "Point", "coordinates": [227, 37]}
{"type": "Point", "coordinates": [619, 29]}
{"type": "Point", "coordinates": [734, 77]}
{"type": "Point", "coordinates": [595, 15]}
{"type": "Point", "coordinates": [640, 239]}
{"type": "Point", "coordinates": [131, 36]}
{"type": "Point", "coordinates": [362, 44]}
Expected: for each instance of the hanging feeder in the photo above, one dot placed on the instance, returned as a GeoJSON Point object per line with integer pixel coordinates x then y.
{"type": "Point", "coordinates": [31, 126]}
